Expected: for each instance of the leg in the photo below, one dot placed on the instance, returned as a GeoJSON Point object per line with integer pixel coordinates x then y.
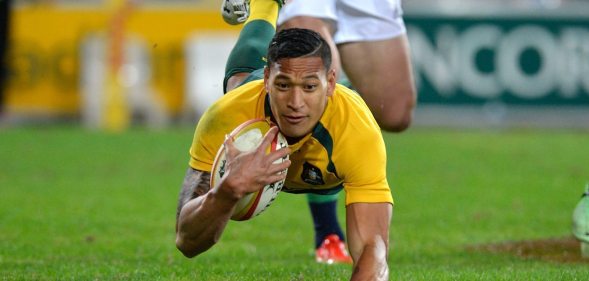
{"type": "Point", "coordinates": [250, 49]}
{"type": "Point", "coordinates": [329, 237]}
{"type": "Point", "coordinates": [381, 72]}
{"type": "Point", "coordinates": [324, 27]}
{"type": "Point", "coordinates": [319, 16]}
{"type": "Point", "coordinates": [323, 210]}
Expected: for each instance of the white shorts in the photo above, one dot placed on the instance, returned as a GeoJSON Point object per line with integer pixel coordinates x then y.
{"type": "Point", "coordinates": [354, 20]}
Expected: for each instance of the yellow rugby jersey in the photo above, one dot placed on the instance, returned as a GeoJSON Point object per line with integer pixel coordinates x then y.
{"type": "Point", "coordinates": [345, 149]}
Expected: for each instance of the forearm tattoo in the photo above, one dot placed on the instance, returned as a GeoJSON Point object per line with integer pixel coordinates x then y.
{"type": "Point", "coordinates": [196, 183]}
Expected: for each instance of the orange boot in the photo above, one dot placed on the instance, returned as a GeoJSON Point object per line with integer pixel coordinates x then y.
{"type": "Point", "coordinates": [332, 250]}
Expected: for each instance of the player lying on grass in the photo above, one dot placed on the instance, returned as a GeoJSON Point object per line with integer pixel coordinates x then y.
{"type": "Point", "coordinates": [329, 129]}
{"type": "Point", "coordinates": [369, 39]}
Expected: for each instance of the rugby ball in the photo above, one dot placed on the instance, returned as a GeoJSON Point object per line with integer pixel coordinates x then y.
{"type": "Point", "coordinates": [248, 137]}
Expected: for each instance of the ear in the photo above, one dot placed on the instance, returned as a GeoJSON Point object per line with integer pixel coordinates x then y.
{"type": "Point", "coordinates": [331, 80]}
{"type": "Point", "coordinates": [266, 78]}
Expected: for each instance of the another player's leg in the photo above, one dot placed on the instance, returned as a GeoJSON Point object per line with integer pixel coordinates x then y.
{"type": "Point", "coordinates": [374, 51]}
{"type": "Point", "coordinates": [249, 51]}
{"type": "Point", "coordinates": [381, 72]}
{"type": "Point", "coordinates": [324, 27]}
{"type": "Point", "coordinates": [330, 244]}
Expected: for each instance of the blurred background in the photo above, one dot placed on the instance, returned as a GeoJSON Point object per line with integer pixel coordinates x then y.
{"type": "Point", "coordinates": [495, 160]}
{"type": "Point", "coordinates": [113, 64]}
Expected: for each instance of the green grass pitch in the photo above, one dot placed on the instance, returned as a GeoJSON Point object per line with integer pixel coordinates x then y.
{"type": "Point", "coordinates": [79, 205]}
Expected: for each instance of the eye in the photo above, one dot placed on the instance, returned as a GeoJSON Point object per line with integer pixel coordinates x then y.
{"type": "Point", "coordinates": [310, 87]}
{"type": "Point", "coordinates": [281, 86]}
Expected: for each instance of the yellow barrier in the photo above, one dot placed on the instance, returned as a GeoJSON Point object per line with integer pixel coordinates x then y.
{"type": "Point", "coordinates": [45, 59]}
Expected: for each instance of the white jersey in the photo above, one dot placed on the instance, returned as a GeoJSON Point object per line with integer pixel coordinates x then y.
{"type": "Point", "coordinates": [354, 20]}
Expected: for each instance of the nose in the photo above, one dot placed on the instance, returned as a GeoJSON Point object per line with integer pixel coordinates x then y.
{"type": "Point", "coordinates": [296, 100]}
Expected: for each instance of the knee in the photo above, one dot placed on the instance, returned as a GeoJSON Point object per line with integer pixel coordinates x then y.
{"type": "Point", "coordinates": [395, 123]}
{"type": "Point", "coordinates": [397, 117]}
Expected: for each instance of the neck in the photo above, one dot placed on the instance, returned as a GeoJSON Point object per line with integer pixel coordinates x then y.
{"type": "Point", "coordinates": [292, 140]}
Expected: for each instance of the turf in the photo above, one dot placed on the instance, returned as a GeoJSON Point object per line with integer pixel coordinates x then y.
{"type": "Point", "coordinates": [79, 205]}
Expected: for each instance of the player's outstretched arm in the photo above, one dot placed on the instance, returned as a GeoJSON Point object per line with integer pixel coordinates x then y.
{"type": "Point", "coordinates": [202, 215]}
{"type": "Point", "coordinates": [201, 219]}
{"type": "Point", "coordinates": [368, 239]}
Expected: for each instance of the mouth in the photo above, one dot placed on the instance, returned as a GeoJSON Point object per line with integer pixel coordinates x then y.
{"type": "Point", "coordinates": [294, 119]}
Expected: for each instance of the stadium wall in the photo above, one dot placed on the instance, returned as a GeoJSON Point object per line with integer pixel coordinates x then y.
{"type": "Point", "coordinates": [46, 59]}
{"type": "Point", "coordinates": [483, 69]}
{"type": "Point", "coordinates": [526, 68]}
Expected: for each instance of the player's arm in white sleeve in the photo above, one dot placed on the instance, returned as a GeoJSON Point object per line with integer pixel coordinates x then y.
{"type": "Point", "coordinates": [201, 219]}
{"type": "Point", "coordinates": [368, 239]}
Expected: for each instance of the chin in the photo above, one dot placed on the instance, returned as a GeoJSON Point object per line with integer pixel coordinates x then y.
{"type": "Point", "coordinates": [291, 134]}
{"type": "Point", "coordinates": [297, 131]}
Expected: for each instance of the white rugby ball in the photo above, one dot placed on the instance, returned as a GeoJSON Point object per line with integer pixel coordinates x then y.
{"type": "Point", "coordinates": [248, 137]}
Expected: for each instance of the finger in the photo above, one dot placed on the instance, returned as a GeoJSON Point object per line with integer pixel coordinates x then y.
{"type": "Point", "coordinates": [275, 155]}
{"type": "Point", "coordinates": [230, 149]}
{"type": "Point", "coordinates": [275, 178]}
{"type": "Point", "coordinates": [279, 167]}
{"type": "Point", "coordinates": [267, 140]}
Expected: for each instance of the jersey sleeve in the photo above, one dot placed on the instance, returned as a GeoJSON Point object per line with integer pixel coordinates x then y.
{"type": "Point", "coordinates": [208, 138]}
{"type": "Point", "coordinates": [365, 180]}
{"type": "Point", "coordinates": [362, 153]}
{"type": "Point", "coordinates": [234, 108]}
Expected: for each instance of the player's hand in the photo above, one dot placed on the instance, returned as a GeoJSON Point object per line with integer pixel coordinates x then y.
{"type": "Point", "coordinates": [247, 172]}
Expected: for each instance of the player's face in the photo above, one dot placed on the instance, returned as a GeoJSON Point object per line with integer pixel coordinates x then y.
{"type": "Point", "coordinates": [298, 89]}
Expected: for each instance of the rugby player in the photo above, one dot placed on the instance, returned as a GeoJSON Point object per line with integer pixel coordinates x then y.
{"type": "Point", "coordinates": [325, 124]}
{"type": "Point", "coordinates": [368, 38]}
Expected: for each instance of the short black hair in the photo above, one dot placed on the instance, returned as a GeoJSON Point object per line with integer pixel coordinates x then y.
{"type": "Point", "coordinates": [296, 43]}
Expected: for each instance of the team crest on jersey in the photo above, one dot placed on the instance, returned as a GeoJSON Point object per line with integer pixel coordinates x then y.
{"type": "Point", "coordinates": [312, 175]}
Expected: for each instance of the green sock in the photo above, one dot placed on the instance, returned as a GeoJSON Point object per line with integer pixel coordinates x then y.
{"type": "Point", "coordinates": [316, 198]}
{"type": "Point", "coordinates": [250, 50]}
